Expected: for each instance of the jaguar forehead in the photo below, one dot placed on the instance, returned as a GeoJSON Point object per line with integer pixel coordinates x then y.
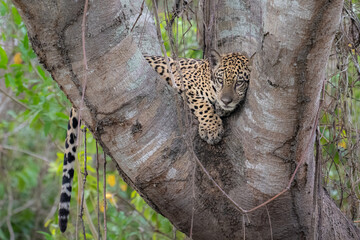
{"type": "Point", "coordinates": [229, 74]}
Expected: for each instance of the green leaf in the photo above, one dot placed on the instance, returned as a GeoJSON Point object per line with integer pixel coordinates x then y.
{"type": "Point", "coordinates": [147, 213]}
{"type": "Point", "coordinates": [154, 218]}
{"type": "Point", "coordinates": [336, 158]}
{"type": "Point", "coordinates": [9, 80]}
{"type": "Point", "coordinates": [16, 15]}
{"type": "Point", "coordinates": [3, 58]}
{"type": "Point", "coordinates": [165, 226]}
{"type": "Point", "coordinates": [26, 42]}
{"type": "Point", "coordinates": [14, 65]}
{"type": "Point", "coordinates": [41, 72]}
{"type": "Point", "coordinates": [133, 194]}
{"type": "Point", "coordinates": [46, 235]}
{"type": "Point", "coordinates": [3, 8]}
{"type": "Point", "coordinates": [21, 182]}
{"type": "Point", "coordinates": [36, 100]}
{"type": "Point", "coordinates": [34, 121]}
{"type": "Point", "coordinates": [62, 115]}
{"type": "Point", "coordinates": [47, 127]}
{"type": "Point", "coordinates": [46, 106]}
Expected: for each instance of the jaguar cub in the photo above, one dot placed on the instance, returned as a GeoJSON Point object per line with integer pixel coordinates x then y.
{"type": "Point", "coordinates": [213, 88]}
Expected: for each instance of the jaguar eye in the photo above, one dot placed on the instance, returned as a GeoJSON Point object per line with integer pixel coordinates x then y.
{"type": "Point", "coordinates": [220, 80]}
{"type": "Point", "coordinates": [239, 83]}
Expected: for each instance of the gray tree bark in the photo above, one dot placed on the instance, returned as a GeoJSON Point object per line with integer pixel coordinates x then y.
{"type": "Point", "coordinates": [140, 122]}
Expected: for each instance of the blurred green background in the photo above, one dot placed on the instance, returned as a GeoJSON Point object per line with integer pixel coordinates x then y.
{"type": "Point", "coordinates": [33, 120]}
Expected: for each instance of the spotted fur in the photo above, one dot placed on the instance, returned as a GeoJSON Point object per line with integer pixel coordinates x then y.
{"type": "Point", "coordinates": [68, 170]}
{"type": "Point", "coordinates": [212, 90]}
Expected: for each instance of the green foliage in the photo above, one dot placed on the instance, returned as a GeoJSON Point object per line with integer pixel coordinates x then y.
{"type": "Point", "coordinates": [339, 124]}
{"type": "Point", "coordinates": [3, 58]}
{"type": "Point", "coordinates": [31, 131]}
{"type": "Point", "coordinates": [184, 31]}
{"type": "Point", "coordinates": [33, 94]}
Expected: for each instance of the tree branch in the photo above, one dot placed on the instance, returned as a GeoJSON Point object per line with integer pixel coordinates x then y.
{"type": "Point", "coordinates": [7, 147]}
{"type": "Point", "coordinates": [14, 99]}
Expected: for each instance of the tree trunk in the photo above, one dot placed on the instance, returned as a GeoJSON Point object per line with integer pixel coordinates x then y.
{"type": "Point", "coordinates": [140, 122]}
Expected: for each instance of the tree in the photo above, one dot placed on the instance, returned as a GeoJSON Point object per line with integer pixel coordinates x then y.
{"type": "Point", "coordinates": [140, 122]}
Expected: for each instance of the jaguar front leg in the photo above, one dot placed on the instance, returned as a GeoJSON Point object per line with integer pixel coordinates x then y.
{"type": "Point", "coordinates": [210, 124]}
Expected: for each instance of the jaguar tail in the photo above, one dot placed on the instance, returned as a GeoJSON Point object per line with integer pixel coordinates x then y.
{"type": "Point", "coordinates": [68, 170]}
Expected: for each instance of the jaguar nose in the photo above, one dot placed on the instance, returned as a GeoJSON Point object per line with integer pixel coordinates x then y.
{"type": "Point", "coordinates": [226, 99]}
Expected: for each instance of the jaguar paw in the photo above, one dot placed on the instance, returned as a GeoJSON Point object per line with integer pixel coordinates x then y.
{"type": "Point", "coordinates": [211, 133]}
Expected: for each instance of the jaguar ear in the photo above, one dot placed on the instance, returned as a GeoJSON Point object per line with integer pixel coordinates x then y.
{"type": "Point", "coordinates": [215, 59]}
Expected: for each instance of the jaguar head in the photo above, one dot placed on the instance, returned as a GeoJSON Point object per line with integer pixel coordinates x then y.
{"type": "Point", "coordinates": [230, 79]}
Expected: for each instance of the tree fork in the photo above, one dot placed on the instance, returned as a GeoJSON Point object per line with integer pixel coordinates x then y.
{"type": "Point", "coordinates": [264, 139]}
